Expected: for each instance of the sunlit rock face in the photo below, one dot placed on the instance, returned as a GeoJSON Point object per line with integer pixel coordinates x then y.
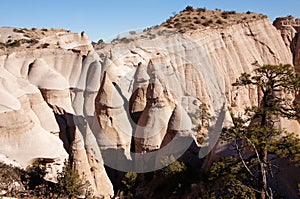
{"type": "Point", "coordinates": [289, 28]}
{"type": "Point", "coordinates": [60, 97]}
{"type": "Point", "coordinates": [46, 86]}
{"type": "Point", "coordinates": [195, 67]}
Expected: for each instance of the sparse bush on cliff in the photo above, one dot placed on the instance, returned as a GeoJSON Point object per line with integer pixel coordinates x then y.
{"type": "Point", "coordinates": [219, 21]}
{"type": "Point", "coordinates": [45, 45]}
{"type": "Point", "coordinates": [69, 183]}
{"type": "Point", "coordinates": [14, 43]}
{"type": "Point", "coordinates": [18, 30]}
{"type": "Point", "coordinates": [30, 183]}
{"type": "Point", "coordinates": [128, 184]}
{"type": "Point", "coordinates": [189, 8]}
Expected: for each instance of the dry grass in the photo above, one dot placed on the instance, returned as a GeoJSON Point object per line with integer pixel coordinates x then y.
{"type": "Point", "coordinates": [200, 18]}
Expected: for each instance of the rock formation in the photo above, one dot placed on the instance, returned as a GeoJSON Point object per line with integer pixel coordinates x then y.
{"type": "Point", "coordinates": [289, 28]}
{"type": "Point", "coordinates": [41, 113]}
{"type": "Point", "coordinates": [62, 98]}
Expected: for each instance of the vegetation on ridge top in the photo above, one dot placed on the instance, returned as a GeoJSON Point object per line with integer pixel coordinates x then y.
{"type": "Point", "coordinates": [198, 18]}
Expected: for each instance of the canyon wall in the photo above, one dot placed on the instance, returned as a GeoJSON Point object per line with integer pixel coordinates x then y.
{"type": "Point", "coordinates": [130, 103]}
{"type": "Point", "coordinates": [40, 82]}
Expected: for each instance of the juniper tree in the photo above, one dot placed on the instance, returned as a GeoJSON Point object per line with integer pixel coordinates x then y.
{"type": "Point", "coordinates": [255, 137]}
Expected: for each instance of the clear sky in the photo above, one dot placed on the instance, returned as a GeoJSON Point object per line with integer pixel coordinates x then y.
{"type": "Point", "coordinates": [104, 19]}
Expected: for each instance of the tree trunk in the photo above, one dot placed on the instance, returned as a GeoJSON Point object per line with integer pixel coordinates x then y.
{"type": "Point", "coordinates": [264, 190]}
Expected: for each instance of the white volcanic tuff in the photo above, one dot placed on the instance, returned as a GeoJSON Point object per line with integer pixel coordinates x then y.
{"type": "Point", "coordinates": [153, 123]}
{"type": "Point", "coordinates": [24, 140]}
{"type": "Point", "coordinates": [86, 88]}
{"type": "Point", "coordinates": [205, 63]}
{"type": "Point", "coordinates": [138, 98]}
{"type": "Point", "coordinates": [216, 57]}
{"type": "Point", "coordinates": [114, 123]}
{"type": "Point", "coordinates": [180, 121]}
{"type": "Point", "coordinates": [54, 70]}
{"type": "Point", "coordinates": [44, 77]}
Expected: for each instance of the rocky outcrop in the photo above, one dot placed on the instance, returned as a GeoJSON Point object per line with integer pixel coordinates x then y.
{"type": "Point", "coordinates": [289, 28]}
{"type": "Point", "coordinates": [132, 97]}
{"type": "Point", "coordinates": [153, 123]}
{"type": "Point", "coordinates": [115, 128]}
{"type": "Point", "coordinates": [47, 87]}
{"type": "Point", "coordinates": [197, 66]}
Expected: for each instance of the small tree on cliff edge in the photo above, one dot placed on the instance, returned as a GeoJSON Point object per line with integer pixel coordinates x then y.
{"type": "Point", "coordinates": [257, 144]}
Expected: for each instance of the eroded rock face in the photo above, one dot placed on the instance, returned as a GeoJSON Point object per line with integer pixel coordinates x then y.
{"type": "Point", "coordinates": [196, 66]}
{"type": "Point", "coordinates": [115, 129]}
{"type": "Point", "coordinates": [153, 123]}
{"type": "Point", "coordinates": [289, 28]}
{"type": "Point", "coordinates": [145, 88]}
{"type": "Point", "coordinates": [47, 88]}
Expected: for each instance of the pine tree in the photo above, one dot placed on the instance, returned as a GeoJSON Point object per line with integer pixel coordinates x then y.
{"type": "Point", "coordinates": [69, 183]}
{"type": "Point", "coordinates": [255, 137]}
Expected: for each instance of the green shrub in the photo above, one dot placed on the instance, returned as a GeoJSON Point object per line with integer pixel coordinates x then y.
{"type": "Point", "coordinates": [69, 183]}
{"type": "Point", "coordinates": [205, 23]}
{"type": "Point", "coordinates": [189, 8]}
{"type": "Point", "coordinates": [219, 21]}
{"type": "Point", "coordinates": [45, 45]}
{"type": "Point", "coordinates": [197, 22]}
{"type": "Point", "coordinates": [129, 183]}
{"type": "Point", "coordinates": [171, 166]}
{"type": "Point", "coordinates": [18, 30]}
{"type": "Point", "coordinates": [15, 43]}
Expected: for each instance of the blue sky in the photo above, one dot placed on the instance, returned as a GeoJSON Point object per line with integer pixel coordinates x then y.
{"type": "Point", "coordinates": [104, 19]}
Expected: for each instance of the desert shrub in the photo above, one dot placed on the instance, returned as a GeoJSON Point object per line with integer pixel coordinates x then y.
{"type": "Point", "coordinates": [219, 21]}
{"type": "Point", "coordinates": [172, 178]}
{"type": "Point", "coordinates": [33, 29]}
{"type": "Point", "coordinates": [18, 30]}
{"type": "Point", "coordinates": [205, 23]}
{"type": "Point", "coordinates": [132, 32]}
{"type": "Point", "coordinates": [177, 25]}
{"type": "Point", "coordinates": [15, 43]}
{"type": "Point", "coordinates": [172, 166]}
{"type": "Point", "coordinates": [201, 10]}
{"type": "Point", "coordinates": [44, 29]}
{"type": "Point", "coordinates": [126, 40]}
{"type": "Point", "coordinates": [129, 184]}
{"type": "Point", "coordinates": [210, 21]}
{"type": "Point", "coordinates": [197, 22]}
{"type": "Point", "coordinates": [203, 17]}
{"type": "Point", "coordinates": [69, 183]}
{"type": "Point", "coordinates": [189, 8]}
{"type": "Point", "coordinates": [248, 12]}
{"type": "Point", "coordinates": [45, 45]}
{"type": "Point", "coordinates": [224, 16]}
{"type": "Point", "coordinates": [100, 41]}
